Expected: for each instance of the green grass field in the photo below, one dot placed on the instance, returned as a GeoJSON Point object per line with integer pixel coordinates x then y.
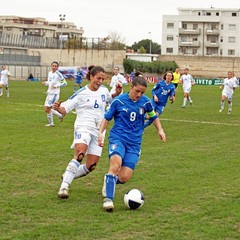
{"type": "Point", "coordinates": [191, 183]}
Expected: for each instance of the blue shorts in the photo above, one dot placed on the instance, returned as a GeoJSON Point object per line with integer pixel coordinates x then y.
{"type": "Point", "coordinates": [78, 81]}
{"type": "Point", "coordinates": [128, 152]}
{"type": "Point", "coordinates": [159, 109]}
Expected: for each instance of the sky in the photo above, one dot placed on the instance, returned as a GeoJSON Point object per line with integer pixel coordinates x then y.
{"type": "Point", "coordinates": [132, 20]}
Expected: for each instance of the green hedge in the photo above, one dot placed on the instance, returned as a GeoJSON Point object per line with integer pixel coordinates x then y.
{"type": "Point", "coordinates": [149, 67]}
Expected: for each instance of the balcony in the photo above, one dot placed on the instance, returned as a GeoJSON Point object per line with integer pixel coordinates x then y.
{"type": "Point", "coordinates": [189, 44]}
{"type": "Point", "coordinates": [190, 31]}
{"type": "Point", "coordinates": [212, 31]}
{"type": "Point", "coordinates": [211, 44]}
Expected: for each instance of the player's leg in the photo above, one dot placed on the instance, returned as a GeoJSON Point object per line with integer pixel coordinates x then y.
{"type": "Point", "coordinates": [47, 108]}
{"type": "Point", "coordinates": [1, 89]}
{"type": "Point", "coordinates": [222, 102]}
{"type": "Point", "coordinates": [72, 167]}
{"type": "Point", "coordinates": [116, 151]}
{"type": "Point", "coordinates": [230, 104]}
{"type": "Point", "coordinates": [185, 95]}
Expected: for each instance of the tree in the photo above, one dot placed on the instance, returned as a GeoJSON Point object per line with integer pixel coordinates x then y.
{"type": "Point", "coordinates": [113, 41]}
{"type": "Point", "coordinates": [155, 47]}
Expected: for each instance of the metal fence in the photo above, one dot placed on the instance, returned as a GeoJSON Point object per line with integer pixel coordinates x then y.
{"type": "Point", "coordinates": [32, 41]}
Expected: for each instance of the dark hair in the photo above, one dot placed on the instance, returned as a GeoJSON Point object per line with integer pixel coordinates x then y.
{"type": "Point", "coordinates": [164, 76]}
{"type": "Point", "coordinates": [55, 62]}
{"type": "Point", "coordinates": [139, 80]}
{"type": "Point", "coordinates": [93, 70]}
{"type": "Point", "coordinates": [137, 73]}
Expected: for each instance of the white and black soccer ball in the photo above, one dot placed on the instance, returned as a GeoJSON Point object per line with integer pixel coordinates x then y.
{"type": "Point", "coordinates": [134, 199]}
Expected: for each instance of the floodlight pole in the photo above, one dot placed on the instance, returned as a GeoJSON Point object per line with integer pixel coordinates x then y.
{"type": "Point", "coordinates": [61, 18]}
{"type": "Point", "coordinates": [150, 44]}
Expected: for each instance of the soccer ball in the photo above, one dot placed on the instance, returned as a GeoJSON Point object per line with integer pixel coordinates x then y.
{"type": "Point", "coordinates": [134, 199]}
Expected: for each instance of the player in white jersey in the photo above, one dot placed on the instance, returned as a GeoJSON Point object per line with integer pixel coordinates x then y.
{"type": "Point", "coordinates": [116, 78]}
{"type": "Point", "coordinates": [90, 103]}
{"type": "Point", "coordinates": [5, 74]}
{"type": "Point", "coordinates": [228, 87]}
{"type": "Point", "coordinates": [187, 82]}
{"type": "Point", "coordinates": [54, 82]}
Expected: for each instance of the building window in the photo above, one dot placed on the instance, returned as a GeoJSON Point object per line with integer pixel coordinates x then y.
{"type": "Point", "coordinates": [231, 52]}
{"type": "Point", "coordinates": [232, 27]}
{"type": "Point", "coordinates": [221, 51]}
{"type": "Point", "coordinates": [221, 39]}
{"type": "Point", "coordinates": [170, 38]}
{"type": "Point", "coordinates": [221, 26]}
{"type": "Point", "coordinates": [195, 26]}
{"type": "Point", "coordinates": [217, 13]}
{"type": "Point", "coordinates": [208, 13]}
{"type": "Point", "coordinates": [199, 13]}
{"type": "Point", "coordinates": [170, 25]}
{"type": "Point", "coordinates": [234, 14]}
{"type": "Point", "coordinates": [194, 51]}
{"type": "Point", "coordinates": [231, 39]}
{"type": "Point", "coordinates": [169, 50]}
{"type": "Point", "coordinates": [184, 26]}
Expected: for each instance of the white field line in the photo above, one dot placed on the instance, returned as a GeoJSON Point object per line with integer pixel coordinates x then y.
{"type": "Point", "coordinates": [162, 119]}
{"type": "Point", "coordinates": [200, 122]}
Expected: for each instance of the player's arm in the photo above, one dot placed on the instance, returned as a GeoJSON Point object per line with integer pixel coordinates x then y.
{"type": "Point", "coordinates": [101, 133]}
{"type": "Point", "coordinates": [155, 98]}
{"type": "Point", "coordinates": [161, 133]}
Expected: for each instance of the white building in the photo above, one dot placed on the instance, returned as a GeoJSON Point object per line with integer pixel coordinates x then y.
{"type": "Point", "coordinates": [142, 57]}
{"type": "Point", "coordinates": [202, 32]}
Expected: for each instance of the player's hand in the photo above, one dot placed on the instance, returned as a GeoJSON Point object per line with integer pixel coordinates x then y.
{"type": "Point", "coordinates": [162, 135]}
{"type": "Point", "coordinates": [119, 87]}
{"type": "Point", "coordinates": [220, 87]}
{"type": "Point", "coordinates": [100, 140]}
{"type": "Point", "coordinates": [56, 105]}
{"type": "Point", "coordinates": [172, 99]}
{"type": "Point", "coordinates": [155, 98]}
{"type": "Point", "coordinates": [43, 83]}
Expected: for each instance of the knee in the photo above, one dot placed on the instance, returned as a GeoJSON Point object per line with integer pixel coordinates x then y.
{"type": "Point", "coordinates": [79, 155]}
{"type": "Point", "coordinates": [115, 168]}
{"type": "Point", "coordinates": [123, 178]}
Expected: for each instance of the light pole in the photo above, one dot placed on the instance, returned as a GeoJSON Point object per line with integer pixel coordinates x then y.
{"type": "Point", "coordinates": [150, 44]}
{"type": "Point", "coordinates": [61, 18]}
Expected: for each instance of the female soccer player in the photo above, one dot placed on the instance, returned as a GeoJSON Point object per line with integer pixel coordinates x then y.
{"type": "Point", "coordinates": [228, 87]}
{"type": "Point", "coordinates": [161, 92]}
{"type": "Point", "coordinates": [89, 102]}
{"type": "Point", "coordinates": [54, 82]}
{"type": "Point", "coordinates": [126, 136]}
{"type": "Point", "coordinates": [5, 74]}
{"type": "Point", "coordinates": [187, 82]}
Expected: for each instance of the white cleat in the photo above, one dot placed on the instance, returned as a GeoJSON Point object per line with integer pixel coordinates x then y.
{"type": "Point", "coordinates": [61, 118]}
{"type": "Point", "coordinates": [49, 125]}
{"type": "Point", "coordinates": [108, 205]}
{"type": "Point", "coordinates": [63, 193]}
{"type": "Point", "coordinates": [229, 111]}
{"type": "Point", "coordinates": [220, 110]}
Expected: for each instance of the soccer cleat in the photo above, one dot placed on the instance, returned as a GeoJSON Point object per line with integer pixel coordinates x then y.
{"type": "Point", "coordinates": [1, 94]}
{"type": "Point", "coordinates": [108, 205]}
{"type": "Point", "coordinates": [63, 193]}
{"type": "Point", "coordinates": [229, 111]}
{"type": "Point", "coordinates": [49, 125]}
{"type": "Point", "coordinates": [220, 110]}
{"type": "Point", "coordinates": [191, 104]}
{"type": "Point", "coordinates": [183, 106]}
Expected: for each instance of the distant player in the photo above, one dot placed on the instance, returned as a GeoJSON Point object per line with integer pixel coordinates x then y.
{"type": "Point", "coordinates": [5, 74]}
{"type": "Point", "coordinates": [161, 92]}
{"type": "Point", "coordinates": [125, 137]}
{"type": "Point", "coordinates": [116, 79]}
{"type": "Point", "coordinates": [54, 82]}
{"type": "Point", "coordinates": [228, 87]}
{"type": "Point", "coordinates": [78, 81]}
{"type": "Point", "coordinates": [187, 82]}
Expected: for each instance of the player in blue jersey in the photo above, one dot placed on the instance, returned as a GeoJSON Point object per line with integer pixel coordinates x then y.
{"type": "Point", "coordinates": [125, 137]}
{"type": "Point", "coordinates": [78, 81]}
{"type": "Point", "coordinates": [161, 92]}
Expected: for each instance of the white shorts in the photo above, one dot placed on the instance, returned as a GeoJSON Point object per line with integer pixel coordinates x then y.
{"type": "Point", "coordinates": [228, 95]}
{"type": "Point", "coordinates": [51, 99]}
{"type": "Point", "coordinates": [187, 89]}
{"type": "Point", "coordinates": [4, 82]}
{"type": "Point", "coordinates": [90, 140]}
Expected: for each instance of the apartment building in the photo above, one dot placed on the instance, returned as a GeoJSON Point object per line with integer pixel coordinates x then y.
{"type": "Point", "coordinates": [202, 32]}
{"type": "Point", "coordinates": [15, 25]}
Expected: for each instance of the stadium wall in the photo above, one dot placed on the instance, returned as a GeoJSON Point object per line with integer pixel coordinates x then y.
{"type": "Point", "coordinates": [206, 67]}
